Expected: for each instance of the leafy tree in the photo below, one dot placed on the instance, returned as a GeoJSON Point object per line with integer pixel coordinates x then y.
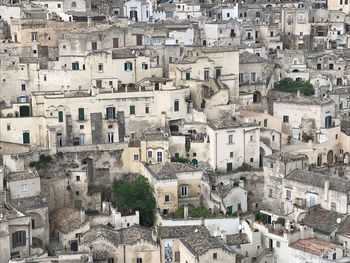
{"type": "Point", "coordinates": [307, 137]}
{"type": "Point", "coordinates": [200, 211]}
{"type": "Point", "coordinates": [44, 161]}
{"type": "Point", "coordinates": [137, 195]}
{"type": "Point", "coordinates": [290, 85]}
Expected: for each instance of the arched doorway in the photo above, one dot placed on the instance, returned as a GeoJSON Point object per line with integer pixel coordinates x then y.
{"type": "Point", "coordinates": [24, 111]}
{"type": "Point", "coordinates": [330, 157]}
{"type": "Point", "coordinates": [133, 15]}
{"type": "Point", "coordinates": [256, 97]}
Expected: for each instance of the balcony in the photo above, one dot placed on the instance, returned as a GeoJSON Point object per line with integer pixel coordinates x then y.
{"type": "Point", "coordinates": [82, 118]}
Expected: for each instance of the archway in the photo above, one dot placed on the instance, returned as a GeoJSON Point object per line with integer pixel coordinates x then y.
{"type": "Point", "coordinates": [256, 97]}
{"type": "Point", "coordinates": [330, 157]}
{"type": "Point", "coordinates": [346, 158]}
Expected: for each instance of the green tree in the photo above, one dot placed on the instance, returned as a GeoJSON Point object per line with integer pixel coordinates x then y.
{"type": "Point", "coordinates": [137, 195]}
{"type": "Point", "coordinates": [200, 211]}
{"type": "Point", "coordinates": [290, 85]}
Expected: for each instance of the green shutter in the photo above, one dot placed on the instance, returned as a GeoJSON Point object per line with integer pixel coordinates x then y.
{"type": "Point", "coordinates": [132, 109]}
{"type": "Point", "coordinates": [176, 105]}
{"type": "Point", "coordinates": [81, 114]}
{"type": "Point", "coordinates": [26, 138]}
{"type": "Point", "coordinates": [60, 116]}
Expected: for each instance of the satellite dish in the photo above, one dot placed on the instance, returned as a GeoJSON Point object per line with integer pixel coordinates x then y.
{"type": "Point", "coordinates": [338, 220]}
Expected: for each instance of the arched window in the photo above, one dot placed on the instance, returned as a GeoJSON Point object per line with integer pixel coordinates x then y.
{"type": "Point", "coordinates": [73, 4]}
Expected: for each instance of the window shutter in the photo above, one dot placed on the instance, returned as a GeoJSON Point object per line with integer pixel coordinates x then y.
{"type": "Point", "coordinates": [130, 66]}
{"type": "Point", "coordinates": [125, 66]}
{"type": "Point", "coordinates": [24, 238]}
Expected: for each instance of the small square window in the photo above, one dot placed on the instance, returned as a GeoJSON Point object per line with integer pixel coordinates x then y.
{"type": "Point", "coordinates": [278, 244]}
{"type": "Point", "coordinates": [215, 255]}
{"type": "Point", "coordinates": [110, 126]}
{"type": "Point", "coordinates": [8, 127]}
{"type": "Point", "coordinates": [271, 165]}
{"type": "Point", "coordinates": [77, 178]}
{"type": "Point", "coordinates": [136, 157]}
{"type": "Point", "coordinates": [81, 127]}
{"type": "Point", "coordinates": [76, 192]}
{"type": "Point", "coordinates": [23, 87]}
{"type": "Point", "coordinates": [251, 160]}
{"type": "Point", "coordinates": [231, 154]}
{"type": "Point", "coordinates": [194, 154]}
{"type": "Point", "coordinates": [166, 198]}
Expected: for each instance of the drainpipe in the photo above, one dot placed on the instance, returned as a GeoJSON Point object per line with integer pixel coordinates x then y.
{"type": "Point", "coordinates": [216, 151]}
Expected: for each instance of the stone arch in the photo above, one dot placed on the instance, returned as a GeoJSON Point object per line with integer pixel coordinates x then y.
{"type": "Point", "coordinates": [330, 156]}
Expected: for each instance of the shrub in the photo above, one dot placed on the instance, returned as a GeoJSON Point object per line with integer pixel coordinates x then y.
{"type": "Point", "coordinates": [289, 85]}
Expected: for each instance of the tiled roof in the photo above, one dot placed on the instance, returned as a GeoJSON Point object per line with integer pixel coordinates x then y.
{"type": "Point", "coordinates": [285, 156]}
{"type": "Point", "coordinates": [344, 228]}
{"type": "Point", "coordinates": [14, 176]}
{"type": "Point", "coordinates": [28, 203]}
{"type": "Point", "coordinates": [200, 244]}
{"type": "Point", "coordinates": [228, 121]}
{"type": "Point", "coordinates": [127, 235]}
{"type": "Point", "coordinates": [170, 170]}
{"type": "Point", "coordinates": [314, 246]}
{"type": "Point", "coordinates": [317, 179]}
{"type": "Point", "coordinates": [181, 231]}
{"type": "Point", "coordinates": [247, 57]}
{"type": "Point", "coordinates": [321, 220]}
{"type": "Point", "coordinates": [66, 219]}
{"type": "Point", "coordinates": [237, 239]}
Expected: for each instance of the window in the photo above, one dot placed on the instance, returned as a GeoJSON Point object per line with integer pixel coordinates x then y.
{"type": "Point", "coordinates": [24, 188]}
{"type": "Point", "coordinates": [206, 74]}
{"type": "Point", "coordinates": [288, 194]}
{"type": "Point", "coordinates": [285, 119]}
{"type": "Point", "coordinates": [177, 256]}
{"type": "Point", "coordinates": [136, 157]}
{"type": "Point", "coordinates": [98, 83]}
{"type": "Point", "coordinates": [132, 109]}
{"type": "Point", "coordinates": [100, 67]}
{"type": "Point", "coordinates": [73, 5]}
{"type": "Point", "coordinates": [93, 45]}
{"type": "Point", "coordinates": [271, 165]}
{"type": "Point", "coordinates": [217, 72]}
{"type": "Point", "coordinates": [139, 260]}
{"type": "Point", "coordinates": [76, 192]}
{"type": "Point", "coordinates": [270, 193]}
{"type": "Point", "coordinates": [230, 139]}
{"type": "Point", "coordinates": [115, 42]}
{"type": "Point", "coordinates": [273, 137]}
{"type": "Point", "coordinates": [26, 138]}
{"type": "Point", "coordinates": [333, 206]}
{"type": "Point", "coordinates": [81, 114]}
{"type": "Point", "coordinates": [33, 224]}
{"type": "Point", "coordinates": [127, 66]}
{"type": "Point", "coordinates": [156, 86]}
{"type": "Point", "coordinates": [184, 190]}
{"type": "Point", "coordinates": [240, 77]}
{"type": "Point", "coordinates": [215, 255]}
{"type": "Point", "coordinates": [319, 66]}
{"type": "Point", "coordinates": [23, 86]}
{"type": "Point", "coordinates": [311, 200]}
{"type": "Point", "coordinates": [110, 83]}
{"type": "Point", "coordinates": [8, 127]}
{"type": "Point", "coordinates": [18, 239]}
{"type": "Point", "coordinates": [188, 76]}
{"type": "Point", "coordinates": [176, 105]}
{"type": "Point", "coordinates": [59, 5]}
{"type": "Point", "coordinates": [331, 66]}
{"type": "Point", "coordinates": [147, 109]}
{"type": "Point", "coordinates": [45, 78]}
{"type": "Point", "coordinates": [227, 14]}
{"type": "Point", "coordinates": [110, 137]}
{"type": "Point", "coordinates": [166, 199]}
{"type": "Point", "coordinates": [231, 154]}
{"type": "Point", "coordinates": [75, 66]}
{"type": "Point", "coordinates": [257, 14]}
{"type": "Point", "coordinates": [253, 76]}
{"type": "Point", "coordinates": [229, 167]}
{"type": "Point", "coordinates": [271, 33]}
{"type": "Point", "coordinates": [77, 178]}
{"type": "Point", "coordinates": [34, 36]}
{"type": "Point", "coordinates": [159, 157]}
{"type": "Point", "coordinates": [144, 66]}
{"type": "Point", "coordinates": [110, 112]}
{"type": "Point", "coordinates": [111, 260]}
{"type": "Point", "coordinates": [251, 160]}
{"type": "Point", "coordinates": [60, 116]}
{"type": "Point", "coordinates": [278, 244]}
{"type": "Point", "coordinates": [149, 154]}
{"type": "Point", "coordinates": [251, 138]}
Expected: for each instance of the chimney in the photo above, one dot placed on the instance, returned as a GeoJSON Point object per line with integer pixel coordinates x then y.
{"type": "Point", "coordinates": [326, 189]}
{"type": "Point", "coordinates": [302, 232]}
{"type": "Point", "coordinates": [185, 211]}
{"type": "Point", "coordinates": [82, 215]}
